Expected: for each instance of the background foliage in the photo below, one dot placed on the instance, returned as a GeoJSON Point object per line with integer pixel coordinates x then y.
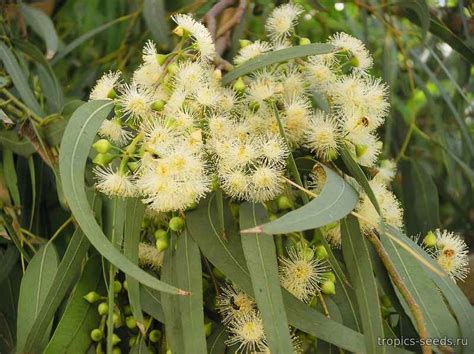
{"type": "Point", "coordinates": [53, 51]}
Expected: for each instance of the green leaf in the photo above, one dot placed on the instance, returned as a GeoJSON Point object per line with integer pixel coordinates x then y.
{"type": "Point", "coordinates": [66, 274]}
{"type": "Point", "coordinates": [358, 261]}
{"type": "Point", "coordinates": [421, 11]}
{"type": "Point", "coordinates": [49, 82]}
{"type": "Point", "coordinates": [454, 296]}
{"type": "Point", "coordinates": [216, 342]}
{"type": "Point", "coordinates": [154, 13]}
{"type": "Point", "coordinates": [189, 274]}
{"type": "Point", "coordinates": [72, 335]}
{"type": "Point", "coordinates": [8, 260]}
{"type": "Point", "coordinates": [260, 256]}
{"type": "Point", "coordinates": [19, 79]}
{"type": "Point", "coordinates": [227, 256]}
{"type": "Point", "coordinates": [11, 179]}
{"type": "Point", "coordinates": [277, 56]}
{"type": "Point", "coordinates": [420, 199]}
{"type": "Point", "coordinates": [43, 26]}
{"type": "Point", "coordinates": [34, 288]}
{"type": "Point", "coordinates": [75, 146]}
{"type": "Point", "coordinates": [133, 220]}
{"type": "Point", "coordinates": [151, 303]}
{"type": "Point", "coordinates": [173, 326]}
{"type": "Point", "coordinates": [336, 200]}
{"type": "Point", "coordinates": [437, 317]}
{"type": "Point", "coordinates": [12, 141]}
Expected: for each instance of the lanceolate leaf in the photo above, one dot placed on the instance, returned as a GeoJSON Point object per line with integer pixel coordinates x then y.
{"type": "Point", "coordinates": [260, 256]}
{"type": "Point", "coordinates": [34, 288]}
{"type": "Point", "coordinates": [277, 56]}
{"type": "Point", "coordinates": [216, 342]}
{"type": "Point", "coordinates": [11, 179]}
{"type": "Point", "coordinates": [43, 26]}
{"type": "Point", "coordinates": [72, 335]}
{"type": "Point", "coordinates": [227, 256]}
{"type": "Point", "coordinates": [75, 146]}
{"type": "Point", "coordinates": [135, 211]}
{"type": "Point", "coordinates": [69, 267]}
{"type": "Point", "coordinates": [360, 268]}
{"type": "Point", "coordinates": [460, 306]}
{"type": "Point", "coordinates": [189, 272]}
{"type": "Point", "coordinates": [336, 200]}
{"type": "Point", "coordinates": [11, 140]}
{"type": "Point", "coordinates": [19, 79]}
{"type": "Point", "coordinates": [151, 303]}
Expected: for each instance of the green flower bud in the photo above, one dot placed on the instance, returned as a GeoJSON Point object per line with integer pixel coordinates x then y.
{"type": "Point", "coordinates": [158, 105]}
{"type": "Point", "coordinates": [131, 323]}
{"type": "Point", "coordinates": [116, 350]}
{"type": "Point", "coordinates": [161, 234]}
{"type": "Point", "coordinates": [154, 336]}
{"type": "Point", "coordinates": [103, 159]}
{"type": "Point", "coordinates": [115, 339]}
{"type": "Point", "coordinates": [304, 41]}
{"type": "Point", "coordinates": [208, 329]}
{"type": "Point", "coordinates": [354, 62]}
{"type": "Point", "coordinates": [321, 252]}
{"type": "Point", "coordinates": [328, 287]}
{"type": "Point", "coordinates": [132, 166]}
{"type": "Point", "coordinates": [103, 308]}
{"type": "Point", "coordinates": [112, 94]}
{"type": "Point", "coordinates": [162, 244]}
{"type": "Point", "coordinates": [176, 223]}
{"type": "Point", "coordinates": [430, 239]}
{"type": "Point", "coordinates": [102, 146]}
{"type": "Point", "coordinates": [116, 320]}
{"type": "Point", "coordinates": [132, 341]}
{"type": "Point", "coordinates": [244, 42]}
{"type": "Point", "coordinates": [127, 310]}
{"type": "Point", "coordinates": [125, 285]}
{"type": "Point", "coordinates": [329, 276]}
{"type": "Point", "coordinates": [96, 335]}
{"type": "Point", "coordinates": [172, 68]}
{"type": "Point", "coordinates": [239, 85]}
{"type": "Point", "coordinates": [117, 286]}
{"type": "Point", "coordinates": [272, 217]}
{"type": "Point", "coordinates": [91, 297]}
{"type": "Point", "coordinates": [360, 150]}
{"type": "Point", "coordinates": [254, 106]}
{"type": "Point", "coordinates": [283, 202]}
{"type": "Point", "coordinates": [332, 154]}
{"type": "Point", "coordinates": [161, 58]}
{"type": "Point", "coordinates": [192, 206]}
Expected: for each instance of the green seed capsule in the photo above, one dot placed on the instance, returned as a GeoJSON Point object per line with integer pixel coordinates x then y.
{"type": "Point", "coordinates": [176, 223]}
{"type": "Point", "coordinates": [328, 287]}
{"type": "Point", "coordinates": [91, 297]}
{"type": "Point", "coordinates": [103, 308]}
{"type": "Point", "coordinates": [131, 323]}
{"type": "Point", "coordinates": [117, 286]}
{"type": "Point", "coordinates": [154, 336]}
{"type": "Point", "coordinates": [96, 335]}
{"type": "Point", "coordinates": [161, 234]}
{"type": "Point", "coordinates": [102, 146]}
{"type": "Point", "coordinates": [283, 203]}
{"type": "Point", "coordinates": [162, 244]}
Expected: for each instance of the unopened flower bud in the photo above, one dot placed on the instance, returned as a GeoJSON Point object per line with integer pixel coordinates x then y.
{"type": "Point", "coordinates": [132, 341]}
{"type": "Point", "coordinates": [115, 339]}
{"type": "Point", "coordinates": [208, 329]}
{"type": "Point", "coordinates": [127, 310]}
{"type": "Point", "coordinates": [161, 234]}
{"type": "Point", "coordinates": [125, 285]}
{"type": "Point", "coordinates": [304, 41]}
{"type": "Point", "coordinates": [239, 85]}
{"type": "Point", "coordinates": [329, 276]}
{"type": "Point", "coordinates": [158, 105]}
{"type": "Point", "coordinates": [117, 286]}
{"type": "Point", "coordinates": [172, 68]}
{"type": "Point", "coordinates": [162, 244]}
{"type": "Point", "coordinates": [103, 159]}
{"type": "Point", "coordinates": [360, 150]}
{"type": "Point", "coordinates": [131, 322]}
{"type": "Point", "coordinates": [161, 58]}
{"type": "Point", "coordinates": [132, 166]}
{"type": "Point", "coordinates": [176, 223]}
{"type": "Point", "coordinates": [283, 203]}
{"type": "Point", "coordinates": [103, 308]}
{"type": "Point", "coordinates": [96, 335]}
{"type": "Point", "coordinates": [328, 287]}
{"type": "Point", "coordinates": [430, 239]}
{"type": "Point", "coordinates": [116, 350]}
{"type": "Point", "coordinates": [92, 297]}
{"type": "Point", "coordinates": [244, 42]}
{"type": "Point", "coordinates": [321, 252]}
{"type": "Point", "coordinates": [179, 31]}
{"type": "Point", "coordinates": [154, 336]}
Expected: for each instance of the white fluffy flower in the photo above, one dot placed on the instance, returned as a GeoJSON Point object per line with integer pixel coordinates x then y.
{"type": "Point", "coordinates": [233, 303]}
{"type": "Point", "coordinates": [282, 20]}
{"type": "Point", "coordinates": [104, 87]}
{"type": "Point", "coordinates": [200, 33]}
{"type": "Point", "coordinates": [114, 183]}
{"type": "Point", "coordinates": [451, 253]}
{"type": "Point", "coordinates": [113, 130]}
{"type": "Point", "coordinates": [247, 332]}
{"type": "Point", "coordinates": [296, 118]}
{"type": "Point", "coordinates": [251, 51]}
{"type": "Point", "coordinates": [362, 59]}
{"type": "Point", "coordinates": [149, 256]}
{"type": "Point", "coordinates": [136, 102]}
{"type": "Point", "coordinates": [323, 136]}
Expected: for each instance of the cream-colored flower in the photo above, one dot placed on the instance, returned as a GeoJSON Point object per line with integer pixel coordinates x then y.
{"type": "Point", "coordinates": [104, 87]}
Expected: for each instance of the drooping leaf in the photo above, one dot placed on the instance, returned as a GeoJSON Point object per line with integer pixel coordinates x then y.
{"type": "Point", "coordinates": [227, 256]}
{"type": "Point", "coordinates": [154, 13]}
{"type": "Point", "coordinates": [75, 147]}
{"type": "Point", "coordinates": [216, 341]}
{"type": "Point", "coordinates": [20, 146]}
{"type": "Point", "coordinates": [68, 269]}
{"type": "Point", "coordinates": [151, 303]}
{"type": "Point", "coordinates": [189, 275]}
{"type": "Point", "coordinates": [360, 268]}
{"type": "Point", "coordinates": [336, 200]}
{"type": "Point", "coordinates": [8, 260]}
{"type": "Point", "coordinates": [172, 311]}
{"type": "Point", "coordinates": [133, 220]}
{"type": "Point", "coordinates": [277, 56]}
{"type": "Point", "coordinates": [420, 196]}
{"type": "Point", "coordinates": [261, 260]}
{"type": "Point", "coordinates": [34, 288]}
{"type": "Point", "coordinates": [43, 26]}
{"type": "Point", "coordinates": [19, 78]}
{"type": "Point", "coordinates": [72, 335]}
